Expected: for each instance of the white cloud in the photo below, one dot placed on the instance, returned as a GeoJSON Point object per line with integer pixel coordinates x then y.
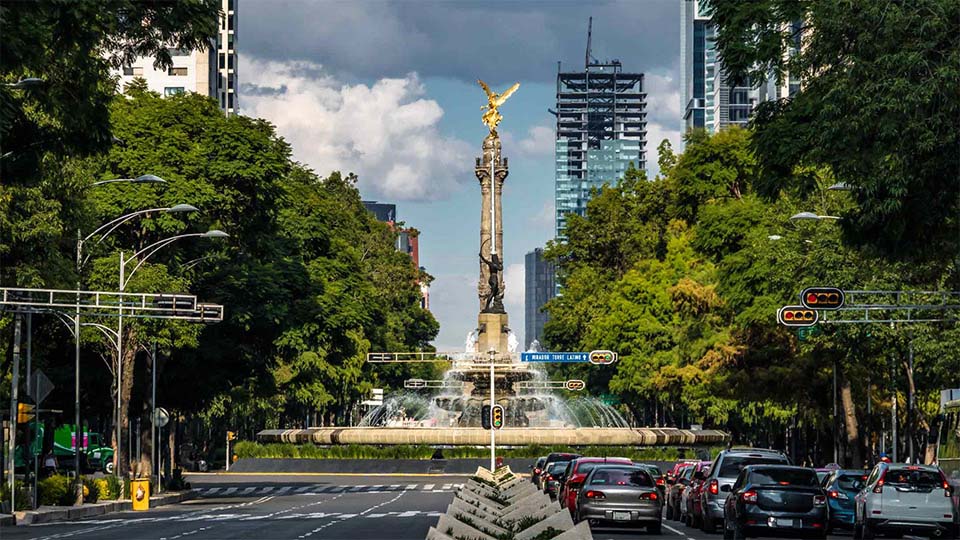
{"type": "Point", "coordinates": [386, 132]}
{"type": "Point", "coordinates": [664, 117]}
{"type": "Point", "coordinates": [515, 283]}
{"type": "Point", "coordinates": [546, 216]}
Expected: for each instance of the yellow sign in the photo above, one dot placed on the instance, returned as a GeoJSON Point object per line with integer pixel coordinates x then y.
{"type": "Point", "coordinates": [140, 491]}
{"type": "Point", "coordinates": [231, 436]}
{"type": "Point", "coordinates": [25, 413]}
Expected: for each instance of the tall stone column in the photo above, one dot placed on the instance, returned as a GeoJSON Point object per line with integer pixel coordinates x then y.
{"type": "Point", "coordinates": [491, 172]}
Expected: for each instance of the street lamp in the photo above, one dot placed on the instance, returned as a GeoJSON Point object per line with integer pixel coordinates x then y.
{"type": "Point", "coordinates": [103, 231]}
{"type": "Point", "coordinates": [143, 255]}
{"type": "Point", "coordinates": [23, 84]}
{"type": "Point", "coordinates": [142, 179]}
{"type": "Point", "coordinates": [810, 216]}
{"type": "Point", "coordinates": [841, 186]}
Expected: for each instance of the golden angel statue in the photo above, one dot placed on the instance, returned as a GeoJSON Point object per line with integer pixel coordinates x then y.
{"type": "Point", "coordinates": [492, 117]}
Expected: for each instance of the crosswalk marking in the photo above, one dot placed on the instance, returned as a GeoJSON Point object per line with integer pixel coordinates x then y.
{"type": "Point", "coordinates": [313, 489]}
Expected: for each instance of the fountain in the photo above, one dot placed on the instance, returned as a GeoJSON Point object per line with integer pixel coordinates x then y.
{"type": "Point", "coordinates": [533, 413]}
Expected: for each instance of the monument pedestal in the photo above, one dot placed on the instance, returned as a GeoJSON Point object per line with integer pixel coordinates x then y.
{"type": "Point", "coordinates": [493, 333]}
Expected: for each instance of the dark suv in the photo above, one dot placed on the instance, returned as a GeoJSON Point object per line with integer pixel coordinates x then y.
{"type": "Point", "coordinates": [724, 472]}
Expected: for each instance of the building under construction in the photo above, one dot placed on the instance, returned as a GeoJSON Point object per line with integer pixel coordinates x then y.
{"type": "Point", "coordinates": [601, 130]}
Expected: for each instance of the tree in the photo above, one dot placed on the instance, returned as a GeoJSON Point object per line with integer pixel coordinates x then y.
{"type": "Point", "coordinates": [877, 104]}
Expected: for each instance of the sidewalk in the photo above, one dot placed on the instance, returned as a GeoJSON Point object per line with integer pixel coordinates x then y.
{"type": "Point", "coordinates": [51, 514]}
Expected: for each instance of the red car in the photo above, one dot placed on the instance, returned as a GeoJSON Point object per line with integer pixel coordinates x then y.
{"type": "Point", "coordinates": [691, 511]}
{"type": "Point", "coordinates": [576, 473]}
{"type": "Point", "coordinates": [676, 483]}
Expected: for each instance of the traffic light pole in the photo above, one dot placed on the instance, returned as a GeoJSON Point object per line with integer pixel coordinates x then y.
{"type": "Point", "coordinates": [15, 383]}
{"type": "Point", "coordinates": [493, 432]}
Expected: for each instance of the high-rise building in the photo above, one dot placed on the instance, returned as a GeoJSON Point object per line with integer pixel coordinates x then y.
{"type": "Point", "coordinates": [408, 240]}
{"type": "Point", "coordinates": [708, 99]}
{"type": "Point", "coordinates": [540, 287]}
{"type": "Point", "coordinates": [601, 130]}
{"type": "Point", "coordinates": [211, 71]}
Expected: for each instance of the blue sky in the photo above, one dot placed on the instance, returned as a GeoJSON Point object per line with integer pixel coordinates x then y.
{"type": "Point", "coordinates": [387, 90]}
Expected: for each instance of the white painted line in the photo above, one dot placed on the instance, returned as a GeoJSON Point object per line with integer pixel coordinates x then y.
{"type": "Point", "coordinates": [283, 490]}
{"type": "Point", "coordinates": [230, 491]}
{"type": "Point", "coordinates": [248, 491]}
{"type": "Point", "coordinates": [268, 489]}
{"type": "Point", "coordinates": [409, 513]}
{"type": "Point", "coordinates": [671, 529]}
{"type": "Point", "coordinates": [447, 486]}
{"type": "Point", "coordinates": [411, 486]}
{"type": "Point", "coordinates": [428, 487]}
{"type": "Point", "coordinates": [304, 488]}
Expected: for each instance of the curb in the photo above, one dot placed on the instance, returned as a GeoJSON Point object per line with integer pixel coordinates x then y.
{"type": "Point", "coordinates": [53, 514]}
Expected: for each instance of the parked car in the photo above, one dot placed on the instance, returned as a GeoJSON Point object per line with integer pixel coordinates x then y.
{"type": "Point", "coordinates": [676, 487]}
{"type": "Point", "coordinates": [555, 458]}
{"type": "Point", "coordinates": [619, 496]}
{"type": "Point", "coordinates": [657, 476]}
{"type": "Point", "coordinates": [723, 473]}
{"type": "Point", "coordinates": [536, 469]}
{"type": "Point", "coordinates": [576, 473]}
{"type": "Point", "coordinates": [691, 512]}
{"type": "Point", "coordinates": [905, 499]}
{"type": "Point", "coordinates": [841, 488]}
{"type": "Point", "coordinates": [775, 499]}
{"type": "Point", "coordinates": [553, 478]}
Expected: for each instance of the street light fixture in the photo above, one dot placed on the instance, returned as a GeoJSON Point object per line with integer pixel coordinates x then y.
{"type": "Point", "coordinates": [841, 186]}
{"type": "Point", "coordinates": [774, 237]}
{"type": "Point", "coordinates": [142, 179]}
{"type": "Point", "coordinates": [29, 82]}
{"type": "Point", "coordinates": [810, 216]}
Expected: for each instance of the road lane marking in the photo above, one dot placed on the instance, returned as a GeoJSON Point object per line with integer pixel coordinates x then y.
{"type": "Point", "coordinates": [230, 490]}
{"type": "Point", "coordinates": [411, 486]}
{"type": "Point", "coordinates": [671, 529]}
{"type": "Point", "coordinates": [428, 487]}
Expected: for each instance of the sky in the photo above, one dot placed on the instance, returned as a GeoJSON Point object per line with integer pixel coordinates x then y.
{"type": "Point", "coordinates": [388, 90]}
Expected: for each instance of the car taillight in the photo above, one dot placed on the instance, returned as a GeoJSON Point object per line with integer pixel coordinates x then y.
{"type": "Point", "coordinates": [652, 496]}
{"type": "Point", "coordinates": [659, 481]}
{"type": "Point", "coordinates": [549, 478]}
{"type": "Point", "coordinates": [714, 487]}
{"type": "Point", "coordinates": [833, 494]}
{"type": "Point", "coordinates": [879, 487]}
{"type": "Point", "coordinates": [536, 471]}
{"type": "Point", "coordinates": [820, 500]}
{"type": "Point", "coordinates": [947, 488]}
{"type": "Point", "coordinates": [591, 494]}
{"type": "Point", "coordinates": [749, 497]}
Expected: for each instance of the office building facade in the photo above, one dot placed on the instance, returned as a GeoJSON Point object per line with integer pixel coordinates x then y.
{"type": "Point", "coordinates": [539, 288]}
{"type": "Point", "coordinates": [211, 71]}
{"type": "Point", "coordinates": [708, 99]}
{"type": "Point", "coordinates": [408, 241]}
{"type": "Point", "coordinates": [601, 130]}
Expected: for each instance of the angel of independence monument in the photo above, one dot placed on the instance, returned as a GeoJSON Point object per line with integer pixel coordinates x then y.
{"type": "Point", "coordinates": [489, 386]}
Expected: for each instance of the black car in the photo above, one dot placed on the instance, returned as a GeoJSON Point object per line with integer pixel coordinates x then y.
{"type": "Point", "coordinates": [773, 500]}
{"type": "Point", "coordinates": [555, 457]}
{"type": "Point", "coordinates": [553, 478]}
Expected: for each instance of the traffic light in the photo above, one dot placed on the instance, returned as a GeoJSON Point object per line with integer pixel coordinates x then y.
{"type": "Point", "coordinates": [25, 412]}
{"type": "Point", "coordinates": [575, 385]}
{"type": "Point", "coordinates": [485, 416]}
{"type": "Point", "coordinates": [496, 418]}
{"type": "Point", "coordinates": [603, 357]}
{"type": "Point", "coordinates": [822, 298]}
{"type": "Point", "coordinates": [797, 316]}
{"type": "Point", "coordinates": [231, 436]}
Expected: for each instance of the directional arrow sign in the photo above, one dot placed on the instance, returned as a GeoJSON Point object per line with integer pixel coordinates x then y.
{"type": "Point", "coordinates": [555, 357]}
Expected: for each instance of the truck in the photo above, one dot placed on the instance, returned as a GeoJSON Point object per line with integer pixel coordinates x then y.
{"type": "Point", "coordinates": [96, 456]}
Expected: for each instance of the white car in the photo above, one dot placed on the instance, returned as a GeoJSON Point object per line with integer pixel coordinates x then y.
{"type": "Point", "coordinates": [905, 499]}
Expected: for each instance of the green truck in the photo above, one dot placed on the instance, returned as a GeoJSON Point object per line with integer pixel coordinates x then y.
{"type": "Point", "coordinates": [96, 456]}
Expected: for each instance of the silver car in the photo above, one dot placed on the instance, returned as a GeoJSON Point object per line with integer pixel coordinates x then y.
{"type": "Point", "coordinates": [905, 499]}
{"type": "Point", "coordinates": [620, 496]}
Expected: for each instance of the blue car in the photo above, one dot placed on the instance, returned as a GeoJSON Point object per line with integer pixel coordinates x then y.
{"type": "Point", "coordinates": [841, 487]}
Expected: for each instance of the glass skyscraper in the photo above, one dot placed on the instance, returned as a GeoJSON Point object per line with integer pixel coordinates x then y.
{"type": "Point", "coordinates": [539, 281]}
{"type": "Point", "coordinates": [601, 129]}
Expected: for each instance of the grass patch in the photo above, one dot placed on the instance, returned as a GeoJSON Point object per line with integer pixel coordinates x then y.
{"type": "Point", "coordinates": [249, 449]}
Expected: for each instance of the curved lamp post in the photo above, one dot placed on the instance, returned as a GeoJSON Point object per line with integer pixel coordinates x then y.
{"type": "Point", "coordinates": [810, 216]}
{"type": "Point", "coordinates": [143, 255]}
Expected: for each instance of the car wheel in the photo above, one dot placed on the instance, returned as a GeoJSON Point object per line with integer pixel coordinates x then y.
{"type": "Point", "coordinates": [669, 511]}
{"type": "Point", "coordinates": [708, 525]}
{"type": "Point", "coordinates": [654, 528]}
{"type": "Point", "coordinates": [108, 467]}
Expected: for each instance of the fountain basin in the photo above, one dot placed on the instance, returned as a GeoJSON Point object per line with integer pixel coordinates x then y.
{"type": "Point", "coordinates": [459, 436]}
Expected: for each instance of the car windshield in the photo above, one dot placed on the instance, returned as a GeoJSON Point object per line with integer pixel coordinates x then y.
{"type": "Point", "coordinates": [557, 468]}
{"type": "Point", "coordinates": [914, 479]}
{"type": "Point", "coordinates": [732, 465]}
{"type": "Point", "coordinates": [784, 477]}
{"type": "Point", "coordinates": [621, 477]}
{"type": "Point", "coordinates": [851, 482]}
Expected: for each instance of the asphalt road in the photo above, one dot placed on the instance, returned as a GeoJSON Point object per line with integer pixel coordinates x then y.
{"type": "Point", "coordinates": [295, 507]}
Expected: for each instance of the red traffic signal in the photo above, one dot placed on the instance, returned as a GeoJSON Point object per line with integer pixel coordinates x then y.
{"type": "Point", "coordinates": [797, 316]}
{"type": "Point", "coordinates": [603, 357]}
{"type": "Point", "coordinates": [822, 298]}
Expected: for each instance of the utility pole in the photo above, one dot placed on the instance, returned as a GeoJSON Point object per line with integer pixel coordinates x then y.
{"type": "Point", "coordinates": [14, 384]}
{"type": "Point", "coordinates": [154, 451]}
{"type": "Point", "coordinates": [493, 432]}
